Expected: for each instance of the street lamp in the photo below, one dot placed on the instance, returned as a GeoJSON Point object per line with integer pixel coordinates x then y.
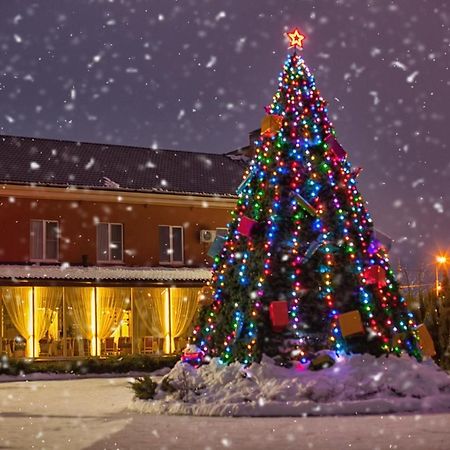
{"type": "Point", "coordinates": [440, 261]}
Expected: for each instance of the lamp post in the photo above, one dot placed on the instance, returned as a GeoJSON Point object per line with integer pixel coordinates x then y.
{"type": "Point", "coordinates": [440, 261]}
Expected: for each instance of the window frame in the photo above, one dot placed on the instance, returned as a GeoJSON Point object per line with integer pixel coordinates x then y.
{"type": "Point", "coordinates": [171, 261]}
{"type": "Point", "coordinates": [109, 260]}
{"type": "Point", "coordinates": [44, 240]}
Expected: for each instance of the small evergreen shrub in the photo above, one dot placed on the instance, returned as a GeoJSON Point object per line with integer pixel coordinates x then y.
{"type": "Point", "coordinates": [167, 386]}
{"type": "Point", "coordinates": [144, 387]}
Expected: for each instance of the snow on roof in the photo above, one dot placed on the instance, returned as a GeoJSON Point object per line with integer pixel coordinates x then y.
{"type": "Point", "coordinates": [46, 162]}
{"type": "Point", "coordinates": [95, 273]}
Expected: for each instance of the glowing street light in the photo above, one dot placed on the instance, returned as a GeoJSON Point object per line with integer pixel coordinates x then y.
{"type": "Point", "coordinates": [441, 260]}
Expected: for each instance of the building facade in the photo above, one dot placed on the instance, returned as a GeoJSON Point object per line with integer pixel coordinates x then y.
{"type": "Point", "coordinates": [103, 249]}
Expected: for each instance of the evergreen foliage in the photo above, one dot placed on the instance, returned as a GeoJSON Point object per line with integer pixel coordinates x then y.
{"type": "Point", "coordinates": [311, 245]}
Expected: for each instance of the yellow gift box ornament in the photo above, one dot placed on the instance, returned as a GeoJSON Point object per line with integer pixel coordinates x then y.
{"type": "Point", "coordinates": [271, 125]}
{"type": "Point", "coordinates": [425, 341]}
{"type": "Point", "coordinates": [350, 323]}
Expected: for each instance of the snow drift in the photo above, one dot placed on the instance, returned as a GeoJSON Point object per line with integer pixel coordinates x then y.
{"type": "Point", "coordinates": [357, 384]}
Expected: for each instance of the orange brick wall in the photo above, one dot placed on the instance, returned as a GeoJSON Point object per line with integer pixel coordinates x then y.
{"type": "Point", "coordinates": [78, 231]}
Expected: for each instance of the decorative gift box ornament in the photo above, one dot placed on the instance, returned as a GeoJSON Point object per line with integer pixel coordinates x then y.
{"type": "Point", "coordinates": [321, 361]}
{"type": "Point", "coordinates": [335, 147]}
{"type": "Point", "coordinates": [425, 341]}
{"type": "Point", "coordinates": [279, 316]}
{"type": "Point", "coordinates": [271, 125]}
{"type": "Point", "coordinates": [192, 355]}
{"type": "Point", "coordinates": [350, 323]}
{"type": "Point", "coordinates": [375, 275]}
{"type": "Point", "coordinates": [313, 247]}
{"type": "Point", "coordinates": [216, 247]}
{"type": "Point", "coordinates": [398, 339]}
{"type": "Point", "coordinates": [374, 247]}
{"type": "Point", "coordinates": [356, 171]}
{"type": "Point", "coordinates": [305, 204]}
{"type": "Point", "coordinates": [245, 182]}
{"type": "Point", "coordinates": [246, 225]}
{"type": "Point", "coordinates": [383, 238]}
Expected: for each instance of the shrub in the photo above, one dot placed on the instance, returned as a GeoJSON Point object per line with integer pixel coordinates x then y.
{"type": "Point", "coordinates": [144, 387]}
{"type": "Point", "coordinates": [166, 385]}
{"type": "Point", "coordinates": [113, 364]}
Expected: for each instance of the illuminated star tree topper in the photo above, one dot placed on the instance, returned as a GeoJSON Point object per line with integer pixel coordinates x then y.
{"type": "Point", "coordinates": [295, 38]}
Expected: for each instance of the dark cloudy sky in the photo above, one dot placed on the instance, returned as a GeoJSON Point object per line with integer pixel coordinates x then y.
{"type": "Point", "coordinates": [195, 75]}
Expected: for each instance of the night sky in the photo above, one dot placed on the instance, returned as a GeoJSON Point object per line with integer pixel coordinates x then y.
{"type": "Point", "coordinates": [196, 74]}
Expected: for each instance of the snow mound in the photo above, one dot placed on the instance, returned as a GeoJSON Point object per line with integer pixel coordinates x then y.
{"type": "Point", "coordinates": [357, 384]}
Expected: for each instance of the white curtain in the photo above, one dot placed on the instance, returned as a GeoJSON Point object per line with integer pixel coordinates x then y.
{"type": "Point", "coordinates": [47, 301]}
{"type": "Point", "coordinates": [151, 306]}
{"type": "Point", "coordinates": [80, 301]}
{"type": "Point", "coordinates": [18, 302]}
{"type": "Point", "coordinates": [183, 306]}
{"type": "Point", "coordinates": [111, 303]}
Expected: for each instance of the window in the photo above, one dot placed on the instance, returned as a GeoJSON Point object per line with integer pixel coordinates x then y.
{"type": "Point", "coordinates": [109, 242]}
{"type": "Point", "coordinates": [44, 240]}
{"type": "Point", "coordinates": [170, 245]}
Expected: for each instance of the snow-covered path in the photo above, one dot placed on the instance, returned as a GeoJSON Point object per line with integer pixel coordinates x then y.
{"type": "Point", "coordinates": [69, 414]}
{"type": "Point", "coordinates": [91, 414]}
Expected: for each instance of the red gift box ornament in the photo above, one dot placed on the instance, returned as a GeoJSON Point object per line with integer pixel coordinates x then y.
{"type": "Point", "coordinates": [279, 315]}
{"type": "Point", "coordinates": [246, 225]}
{"type": "Point", "coordinates": [375, 275]}
{"type": "Point", "coordinates": [335, 147]}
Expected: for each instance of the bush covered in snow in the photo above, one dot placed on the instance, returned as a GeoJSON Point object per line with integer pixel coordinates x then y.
{"type": "Point", "coordinates": [357, 384]}
{"type": "Point", "coordinates": [115, 364]}
{"type": "Point", "coordinates": [144, 387]}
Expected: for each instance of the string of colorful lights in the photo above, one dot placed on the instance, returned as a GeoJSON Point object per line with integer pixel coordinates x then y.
{"type": "Point", "coordinates": [300, 240]}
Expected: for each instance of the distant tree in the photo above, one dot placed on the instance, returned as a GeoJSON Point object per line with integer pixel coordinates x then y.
{"type": "Point", "coordinates": [444, 322]}
{"type": "Point", "coordinates": [430, 317]}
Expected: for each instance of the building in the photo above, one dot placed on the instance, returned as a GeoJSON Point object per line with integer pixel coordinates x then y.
{"type": "Point", "coordinates": [103, 248]}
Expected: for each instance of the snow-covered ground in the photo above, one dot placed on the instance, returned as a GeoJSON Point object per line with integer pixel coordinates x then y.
{"type": "Point", "coordinates": [61, 414]}
{"type": "Point", "coordinates": [45, 376]}
{"type": "Point", "coordinates": [357, 384]}
{"type": "Point", "coordinates": [92, 414]}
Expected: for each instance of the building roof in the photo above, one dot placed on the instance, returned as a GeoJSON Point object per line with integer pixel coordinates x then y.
{"type": "Point", "coordinates": [99, 274]}
{"type": "Point", "coordinates": [46, 162]}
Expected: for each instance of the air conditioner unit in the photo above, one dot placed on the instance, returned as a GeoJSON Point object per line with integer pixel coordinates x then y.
{"type": "Point", "coordinates": [207, 236]}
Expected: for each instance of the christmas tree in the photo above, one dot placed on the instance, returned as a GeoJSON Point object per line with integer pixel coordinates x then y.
{"type": "Point", "coordinates": [301, 268]}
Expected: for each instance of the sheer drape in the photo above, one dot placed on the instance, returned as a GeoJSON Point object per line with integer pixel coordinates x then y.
{"type": "Point", "coordinates": [95, 316]}
{"type": "Point", "coordinates": [47, 300]}
{"type": "Point", "coordinates": [18, 302]}
{"type": "Point", "coordinates": [183, 306]}
{"type": "Point", "coordinates": [82, 303]}
{"type": "Point", "coordinates": [111, 303]}
{"type": "Point", "coordinates": [151, 306]}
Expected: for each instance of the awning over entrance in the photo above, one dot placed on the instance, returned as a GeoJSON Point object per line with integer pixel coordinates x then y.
{"type": "Point", "coordinates": [98, 273]}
